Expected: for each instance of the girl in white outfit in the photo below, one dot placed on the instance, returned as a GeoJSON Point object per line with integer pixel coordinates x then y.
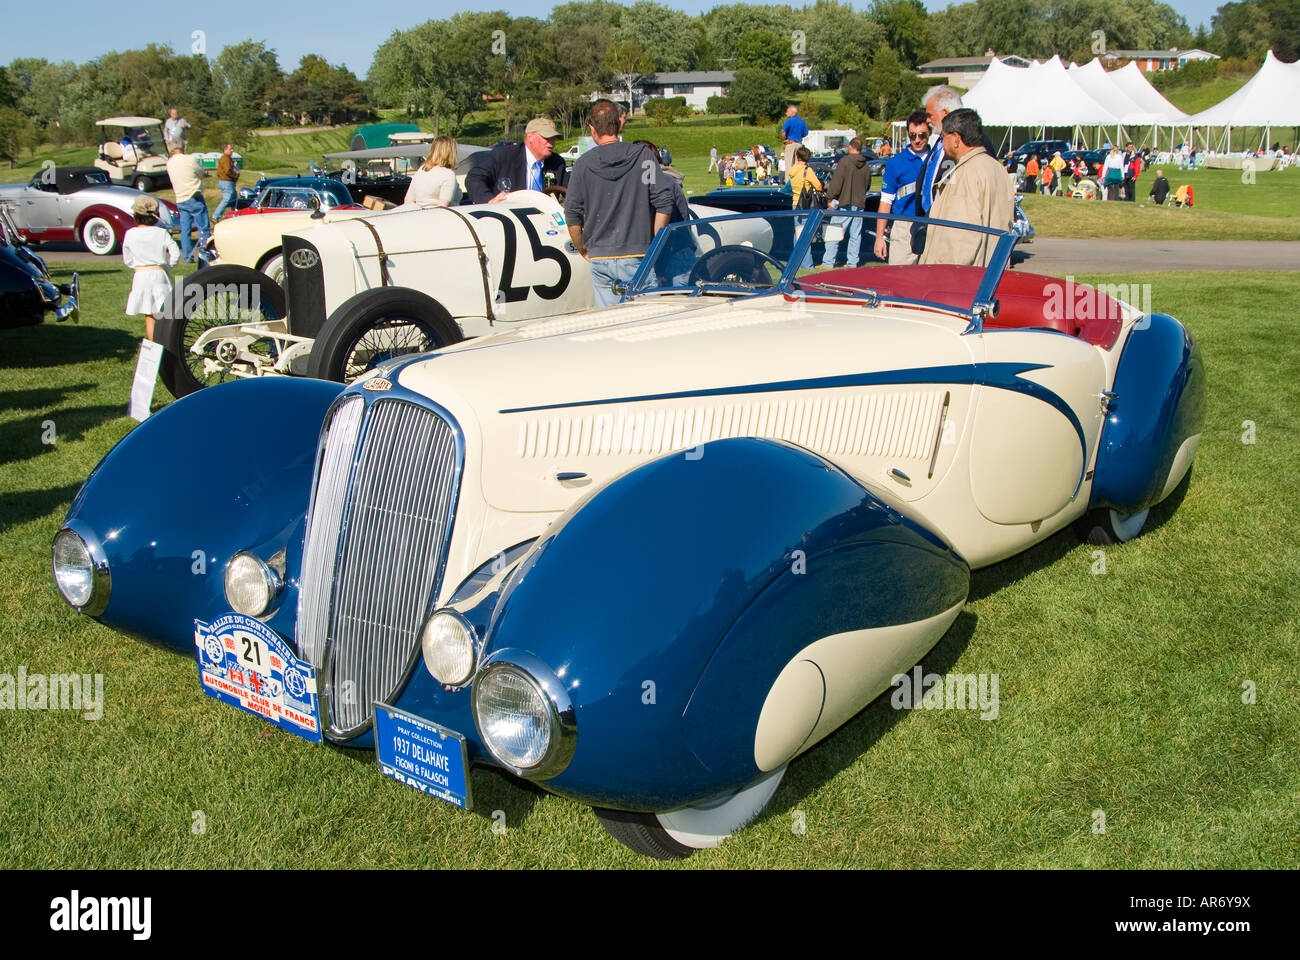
{"type": "Point", "coordinates": [434, 184]}
{"type": "Point", "coordinates": [150, 251]}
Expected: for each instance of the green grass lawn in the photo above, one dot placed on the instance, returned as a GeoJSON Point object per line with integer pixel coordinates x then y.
{"type": "Point", "coordinates": [1119, 692]}
{"type": "Point", "coordinates": [1225, 209]}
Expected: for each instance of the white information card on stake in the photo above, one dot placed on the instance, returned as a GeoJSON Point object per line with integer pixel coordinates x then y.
{"type": "Point", "coordinates": [146, 373]}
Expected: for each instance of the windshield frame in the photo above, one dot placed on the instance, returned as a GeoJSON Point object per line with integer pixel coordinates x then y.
{"type": "Point", "coordinates": [644, 283]}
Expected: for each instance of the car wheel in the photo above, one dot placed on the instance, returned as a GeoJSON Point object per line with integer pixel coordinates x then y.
{"type": "Point", "coordinates": [273, 267]}
{"type": "Point", "coordinates": [375, 326]}
{"type": "Point", "coordinates": [99, 236]}
{"type": "Point", "coordinates": [213, 297]}
{"type": "Point", "coordinates": [142, 184]}
{"type": "Point", "coordinates": [1104, 527]}
{"type": "Point", "coordinates": [676, 834]}
{"type": "Point", "coordinates": [737, 264]}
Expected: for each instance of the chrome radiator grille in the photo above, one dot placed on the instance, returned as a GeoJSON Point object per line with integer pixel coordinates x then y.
{"type": "Point", "coordinates": [374, 551]}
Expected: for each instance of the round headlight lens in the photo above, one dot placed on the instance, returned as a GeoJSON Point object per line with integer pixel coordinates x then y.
{"type": "Point", "coordinates": [448, 648]}
{"type": "Point", "coordinates": [250, 585]}
{"type": "Point", "coordinates": [514, 716]}
{"type": "Point", "coordinates": [74, 571]}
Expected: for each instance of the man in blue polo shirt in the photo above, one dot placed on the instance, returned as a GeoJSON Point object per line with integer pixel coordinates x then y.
{"type": "Point", "coordinates": [898, 194]}
{"type": "Point", "coordinates": [792, 131]}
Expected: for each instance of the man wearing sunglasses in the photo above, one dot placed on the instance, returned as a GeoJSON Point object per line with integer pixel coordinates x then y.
{"type": "Point", "coordinates": [898, 194]}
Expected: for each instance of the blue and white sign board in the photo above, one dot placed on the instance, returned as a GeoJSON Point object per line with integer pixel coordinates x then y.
{"type": "Point", "coordinates": [244, 663]}
{"type": "Point", "coordinates": [422, 755]}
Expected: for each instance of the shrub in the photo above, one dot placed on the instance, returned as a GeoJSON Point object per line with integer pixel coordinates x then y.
{"type": "Point", "coordinates": [717, 105]}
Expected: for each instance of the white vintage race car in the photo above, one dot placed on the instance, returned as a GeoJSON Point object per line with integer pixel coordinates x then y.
{"type": "Point", "coordinates": [362, 286]}
{"type": "Point", "coordinates": [643, 556]}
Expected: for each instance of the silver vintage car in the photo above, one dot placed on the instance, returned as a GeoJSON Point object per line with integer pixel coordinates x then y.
{"type": "Point", "coordinates": [77, 204]}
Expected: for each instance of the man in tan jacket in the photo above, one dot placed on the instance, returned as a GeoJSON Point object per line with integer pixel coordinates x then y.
{"type": "Point", "coordinates": [977, 190]}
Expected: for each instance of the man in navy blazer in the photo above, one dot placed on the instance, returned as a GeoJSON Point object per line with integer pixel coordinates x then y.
{"type": "Point", "coordinates": [531, 165]}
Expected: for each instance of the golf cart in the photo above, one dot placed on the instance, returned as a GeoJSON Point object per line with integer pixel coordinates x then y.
{"type": "Point", "coordinates": [136, 157]}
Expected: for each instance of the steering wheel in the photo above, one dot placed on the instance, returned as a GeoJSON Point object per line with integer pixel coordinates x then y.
{"type": "Point", "coordinates": [735, 263]}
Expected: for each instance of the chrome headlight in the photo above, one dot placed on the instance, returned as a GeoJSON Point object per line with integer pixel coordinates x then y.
{"type": "Point", "coordinates": [525, 716]}
{"type": "Point", "coordinates": [251, 585]}
{"type": "Point", "coordinates": [81, 572]}
{"type": "Point", "coordinates": [449, 648]}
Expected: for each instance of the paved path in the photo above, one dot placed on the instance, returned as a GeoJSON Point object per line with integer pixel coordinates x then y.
{"type": "Point", "coordinates": [1053, 257]}
{"type": "Point", "coordinates": [1058, 257]}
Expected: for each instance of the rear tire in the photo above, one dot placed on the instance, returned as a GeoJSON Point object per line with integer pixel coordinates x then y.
{"type": "Point", "coordinates": [1104, 527]}
{"type": "Point", "coordinates": [143, 184]}
{"type": "Point", "coordinates": [376, 325]}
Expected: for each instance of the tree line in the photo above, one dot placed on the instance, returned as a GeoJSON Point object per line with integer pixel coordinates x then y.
{"type": "Point", "coordinates": [443, 70]}
{"type": "Point", "coordinates": [243, 87]}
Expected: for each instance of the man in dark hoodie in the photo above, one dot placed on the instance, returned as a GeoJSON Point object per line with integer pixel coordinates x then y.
{"type": "Point", "coordinates": [848, 191]}
{"type": "Point", "coordinates": [618, 200]}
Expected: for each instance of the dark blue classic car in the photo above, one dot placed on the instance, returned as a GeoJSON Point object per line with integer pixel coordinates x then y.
{"type": "Point", "coordinates": [27, 293]}
{"type": "Point", "coordinates": [642, 557]}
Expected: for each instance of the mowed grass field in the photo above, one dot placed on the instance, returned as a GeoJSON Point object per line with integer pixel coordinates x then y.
{"type": "Point", "coordinates": [1160, 692]}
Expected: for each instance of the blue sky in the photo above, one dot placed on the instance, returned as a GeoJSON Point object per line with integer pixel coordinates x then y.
{"type": "Point", "coordinates": [338, 30]}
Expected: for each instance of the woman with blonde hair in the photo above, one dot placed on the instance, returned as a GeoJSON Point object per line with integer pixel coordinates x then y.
{"type": "Point", "coordinates": [434, 184]}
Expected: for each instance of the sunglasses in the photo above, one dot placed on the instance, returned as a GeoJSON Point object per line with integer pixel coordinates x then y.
{"type": "Point", "coordinates": [918, 136]}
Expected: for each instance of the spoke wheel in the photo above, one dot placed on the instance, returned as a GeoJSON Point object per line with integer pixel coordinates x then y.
{"type": "Point", "coordinates": [215, 297]}
{"type": "Point", "coordinates": [377, 325]}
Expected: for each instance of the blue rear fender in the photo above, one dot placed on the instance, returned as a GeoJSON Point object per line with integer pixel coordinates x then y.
{"type": "Point", "coordinates": [629, 596]}
{"type": "Point", "coordinates": [1155, 420]}
{"type": "Point", "coordinates": [225, 469]}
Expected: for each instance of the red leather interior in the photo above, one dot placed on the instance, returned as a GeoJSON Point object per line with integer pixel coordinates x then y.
{"type": "Point", "coordinates": [1025, 300]}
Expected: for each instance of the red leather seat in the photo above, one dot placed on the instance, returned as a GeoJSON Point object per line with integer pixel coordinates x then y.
{"type": "Point", "coordinates": [1025, 300]}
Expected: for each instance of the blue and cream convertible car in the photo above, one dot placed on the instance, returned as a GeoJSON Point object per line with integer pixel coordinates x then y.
{"type": "Point", "coordinates": [643, 556]}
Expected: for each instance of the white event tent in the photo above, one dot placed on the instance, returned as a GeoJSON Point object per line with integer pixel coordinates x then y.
{"type": "Point", "coordinates": [1271, 98]}
{"type": "Point", "coordinates": [1040, 96]}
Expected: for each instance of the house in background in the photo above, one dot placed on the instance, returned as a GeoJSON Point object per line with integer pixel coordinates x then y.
{"type": "Point", "coordinates": [801, 68]}
{"type": "Point", "coordinates": [695, 85]}
{"type": "Point", "coordinates": [1149, 61]}
{"type": "Point", "coordinates": [965, 72]}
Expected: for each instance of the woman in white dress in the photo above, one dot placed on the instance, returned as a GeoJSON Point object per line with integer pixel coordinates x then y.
{"type": "Point", "coordinates": [434, 184]}
{"type": "Point", "coordinates": [150, 251]}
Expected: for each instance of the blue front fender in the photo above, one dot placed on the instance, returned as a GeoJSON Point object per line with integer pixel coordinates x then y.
{"type": "Point", "coordinates": [630, 594]}
{"type": "Point", "coordinates": [222, 470]}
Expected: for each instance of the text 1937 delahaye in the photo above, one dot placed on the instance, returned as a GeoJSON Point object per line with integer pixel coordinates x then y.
{"type": "Point", "coordinates": [642, 556]}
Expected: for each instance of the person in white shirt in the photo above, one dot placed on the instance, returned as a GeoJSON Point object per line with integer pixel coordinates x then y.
{"type": "Point", "coordinates": [174, 131]}
{"type": "Point", "coordinates": [434, 183]}
{"type": "Point", "coordinates": [150, 251]}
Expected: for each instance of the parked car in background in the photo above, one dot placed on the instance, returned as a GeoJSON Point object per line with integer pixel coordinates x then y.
{"type": "Point", "coordinates": [77, 204]}
{"type": "Point", "coordinates": [141, 162]}
{"type": "Point", "coordinates": [385, 172]}
{"type": "Point", "coordinates": [275, 194]}
{"type": "Point", "coordinates": [27, 294]}
{"type": "Point", "coordinates": [642, 557]}
{"type": "Point", "coordinates": [1043, 149]}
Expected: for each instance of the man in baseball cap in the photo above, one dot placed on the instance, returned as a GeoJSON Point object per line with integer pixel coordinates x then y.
{"type": "Point", "coordinates": [531, 165]}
